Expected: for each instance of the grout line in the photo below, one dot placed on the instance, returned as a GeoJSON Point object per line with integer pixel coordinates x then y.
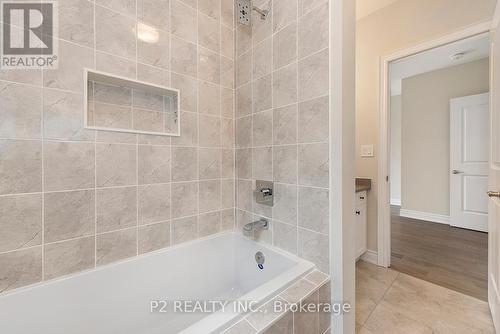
{"type": "Point", "coordinates": [170, 225]}
{"type": "Point", "coordinates": [120, 230]}
{"type": "Point", "coordinates": [95, 143]}
{"type": "Point", "coordinates": [290, 104]}
{"type": "Point", "coordinates": [137, 138]}
{"type": "Point", "coordinates": [132, 144]}
{"type": "Point", "coordinates": [42, 127]}
{"type": "Point", "coordinates": [381, 299]}
{"type": "Point", "coordinates": [137, 195]}
{"type": "Point", "coordinates": [150, 184]}
{"type": "Point", "coordinates": [252, 126]}
{"type": "Point", "coordinates": [330, 154]}
{"type": "Point", "coordinates": [198, 110]}
{"type": "Point", "coordinates": [136, 25]}
{"type": "Point", "coordinates": [310, 10]}
{"type": "Point", "coordinates": [220, 118]}
{"type": "Point", "coordinates": [297, 128]}
{"type": "Point", "coordinates": [233, 151]}
{"type": "Point", "coordinates": [288, 145]}
{"type": "Point", "coordinates": [250, 324]}
{"type": "Point", "coordinates": [75, 190]}
{"type": "Point", "coordinates": [235, 113]}
{"type": "Point", "coordinates": [271, 4]}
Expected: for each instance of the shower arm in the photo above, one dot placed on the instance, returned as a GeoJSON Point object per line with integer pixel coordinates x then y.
{"type": "Point", "coordinates": [263, 12]}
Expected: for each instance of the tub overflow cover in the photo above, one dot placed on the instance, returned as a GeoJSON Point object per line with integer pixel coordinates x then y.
{"type": "Point", "coordinates": [260, 259]}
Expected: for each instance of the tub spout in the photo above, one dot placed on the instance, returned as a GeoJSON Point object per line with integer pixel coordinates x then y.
{"type": "Point", "coordinates": [261, 224]}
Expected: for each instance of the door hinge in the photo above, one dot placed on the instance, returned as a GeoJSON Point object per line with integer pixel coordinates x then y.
{"type": "Point", "coordinates": [387, 178]}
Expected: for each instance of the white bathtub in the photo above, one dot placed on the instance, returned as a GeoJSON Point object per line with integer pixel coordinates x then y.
{"type": "Point", "coordinates": [117, 298]}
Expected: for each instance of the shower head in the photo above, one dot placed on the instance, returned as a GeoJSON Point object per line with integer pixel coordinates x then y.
{"type": "Point", "coordinates": [245, 8]}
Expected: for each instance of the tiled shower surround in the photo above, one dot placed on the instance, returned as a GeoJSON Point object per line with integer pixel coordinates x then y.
{"type": "Point", "coordinates": [73, 199]}
{"type": "Point", "coordinates": [282, 126]}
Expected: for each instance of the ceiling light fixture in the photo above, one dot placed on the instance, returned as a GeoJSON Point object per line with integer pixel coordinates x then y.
{"type": "Point", "coordinates": [457, 56]}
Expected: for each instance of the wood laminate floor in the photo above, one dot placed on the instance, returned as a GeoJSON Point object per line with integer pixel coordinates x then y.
{"type": "Point", "coordinates": [450, 257]}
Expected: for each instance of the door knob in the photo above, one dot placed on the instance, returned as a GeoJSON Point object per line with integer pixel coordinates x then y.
{"type": "Point", "coordinates": [493, 193]}
{"type": "Point", "coordinates": [457, 171]}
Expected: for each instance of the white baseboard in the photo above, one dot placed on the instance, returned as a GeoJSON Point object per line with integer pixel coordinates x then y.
{"type": "Point", "coordinates": [430, 217]}
{"type": "Point", "coordinates": [396, 201]}
{"type": "Point", "coordinates": [370, 256]}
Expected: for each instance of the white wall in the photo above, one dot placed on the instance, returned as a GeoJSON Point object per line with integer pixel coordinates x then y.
{"type": "Point", "coordinates": [395, 161]}
{"type": "Point", "coordinates": [398, 26]}
{"type": "Point", "coordinates": [425, 135]}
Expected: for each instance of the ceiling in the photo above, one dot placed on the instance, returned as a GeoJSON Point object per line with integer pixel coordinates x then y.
{"type": "Point", "coordinates": [367, 7]}
{"type": "Point", "coordinates": [474, 48]}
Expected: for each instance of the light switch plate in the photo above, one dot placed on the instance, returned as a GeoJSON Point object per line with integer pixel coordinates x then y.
{"type": "Point", "coordinates": [367, 151]}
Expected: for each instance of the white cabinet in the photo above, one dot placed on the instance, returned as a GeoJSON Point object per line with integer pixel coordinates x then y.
{"type": "Point", "coordinates": [361, 226]}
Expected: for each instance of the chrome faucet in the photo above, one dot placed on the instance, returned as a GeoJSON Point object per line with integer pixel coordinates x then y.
{"type": "Point", "coordinates": [262, 224]}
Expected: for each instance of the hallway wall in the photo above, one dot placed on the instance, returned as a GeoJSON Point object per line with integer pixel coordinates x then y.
{"type": "Point", "coordinates": [425, 135]}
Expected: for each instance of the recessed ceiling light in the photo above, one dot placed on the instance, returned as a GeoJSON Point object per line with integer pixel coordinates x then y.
{"type": "Point", "coordinates": [457, 56]}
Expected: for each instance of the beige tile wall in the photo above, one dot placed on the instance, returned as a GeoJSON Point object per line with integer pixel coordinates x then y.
{"type": "Point", "coordinates": [72, 199]}
{"type": "Point", "coordinates": [282, 124]}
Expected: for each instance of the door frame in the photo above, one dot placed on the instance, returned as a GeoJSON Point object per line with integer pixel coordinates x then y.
{"type": "Point", "coordinates": [342, 159]}
{"type": "Point", "coordinates": [383, 191]}
{"type": "Point", "coordinates": [493, 291]}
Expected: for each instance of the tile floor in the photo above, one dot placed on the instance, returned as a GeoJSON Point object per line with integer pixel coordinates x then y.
{"type": "Point", "coordinates": [391, 302]}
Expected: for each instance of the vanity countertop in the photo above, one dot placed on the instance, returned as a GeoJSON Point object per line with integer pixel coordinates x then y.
{"type": "Point", "coordinates": [363, 184]}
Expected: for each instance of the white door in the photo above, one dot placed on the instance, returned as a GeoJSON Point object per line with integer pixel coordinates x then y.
{"type": "Point", "coordinates": [494, 184]}
{"type": "Point", "coordinates": [469, 162]}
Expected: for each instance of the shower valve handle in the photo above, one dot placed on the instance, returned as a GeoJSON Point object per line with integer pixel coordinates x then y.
{"type": "Point", "coordinates": [266, 192]}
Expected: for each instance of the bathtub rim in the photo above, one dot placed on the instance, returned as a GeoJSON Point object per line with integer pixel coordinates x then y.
{"type": "Point", "coordinates": [218, 321]}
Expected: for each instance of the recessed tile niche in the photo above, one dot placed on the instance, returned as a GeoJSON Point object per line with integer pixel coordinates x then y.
{"type": "Point", "coordinates": [119, 104]}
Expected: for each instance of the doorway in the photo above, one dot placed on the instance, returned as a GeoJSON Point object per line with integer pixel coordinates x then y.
{"type": "Point", "coordinates": [438, 152]}
{"type": "Point", "coordinates": [394, 306]}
